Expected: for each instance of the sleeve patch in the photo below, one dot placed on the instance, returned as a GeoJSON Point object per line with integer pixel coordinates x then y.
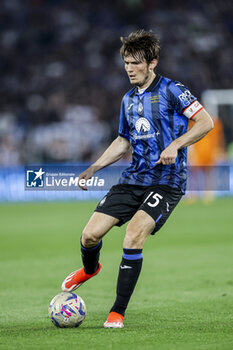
{"type": "Point", "coordinates": [193, 109]}
{"type": "Point", "coordinates": [186, 98]}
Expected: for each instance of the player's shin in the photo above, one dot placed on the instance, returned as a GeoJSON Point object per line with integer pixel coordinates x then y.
{"type": "Point", "coordinates": [129, 271]}
{"type": "Point", "coordinates": [90, 258]}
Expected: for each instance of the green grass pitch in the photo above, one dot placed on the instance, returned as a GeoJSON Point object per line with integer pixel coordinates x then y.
{"type": "Point", "coordinates": [183, 299]}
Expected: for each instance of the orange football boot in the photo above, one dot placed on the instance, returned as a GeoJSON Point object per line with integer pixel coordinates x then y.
{"type": "Point", "coordinates": [114, 320]}
{"type": "Point", "coordinates": [77, 278]}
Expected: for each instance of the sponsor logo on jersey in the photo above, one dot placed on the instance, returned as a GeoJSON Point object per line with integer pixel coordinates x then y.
{"type": "Point", "coordinates": [186, 98]}
{"type": "Point", "coordinates": [142, 125]}
{"type": "Point", "coordinates": [146, 136]}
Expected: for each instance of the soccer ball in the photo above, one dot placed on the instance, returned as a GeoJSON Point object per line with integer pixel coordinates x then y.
{"type": "Point", "coordinates": [67, 310]}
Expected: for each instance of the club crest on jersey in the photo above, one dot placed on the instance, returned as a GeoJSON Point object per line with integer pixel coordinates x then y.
{"type": "Point", "coordinates": [140, 108]}
{"type": "Point", "coordinates": [142, 125]}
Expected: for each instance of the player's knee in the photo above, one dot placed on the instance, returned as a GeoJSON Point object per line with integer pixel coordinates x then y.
{"type": "Point", "coordinates": [89, 239]}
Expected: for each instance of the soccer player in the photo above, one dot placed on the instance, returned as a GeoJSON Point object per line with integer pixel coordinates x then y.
{"type": "Point", "coordinates": [153, 123]}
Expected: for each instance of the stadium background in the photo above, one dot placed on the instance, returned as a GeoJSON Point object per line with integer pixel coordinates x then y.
{"type": "Point", "coordinates": [62, 81]}
{"type": "Point", "coordinates": [62, 78]}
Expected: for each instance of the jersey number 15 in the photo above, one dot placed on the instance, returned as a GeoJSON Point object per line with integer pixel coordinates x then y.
{"type": "Point", "coordinates": [157, 197]}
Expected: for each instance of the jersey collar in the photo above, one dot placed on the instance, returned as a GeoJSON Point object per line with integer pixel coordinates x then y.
{"type": "Point", "coordinates": [154, 83]}
{"type": "Point", "coordinates": [150, 88]}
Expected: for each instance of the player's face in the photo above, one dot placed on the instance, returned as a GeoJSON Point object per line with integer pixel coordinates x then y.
{"type": "Point", "coordinates": [140, 73]}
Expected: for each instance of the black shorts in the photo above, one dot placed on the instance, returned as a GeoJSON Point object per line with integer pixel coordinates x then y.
{"type": "Point", "coordinates": [123, 201]}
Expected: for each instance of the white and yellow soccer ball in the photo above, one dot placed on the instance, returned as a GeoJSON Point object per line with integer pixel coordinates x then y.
{"type": "Point", "coordinates": [67, 310]}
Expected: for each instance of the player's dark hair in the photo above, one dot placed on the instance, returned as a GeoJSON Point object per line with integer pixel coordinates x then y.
{"type": "Point", "coordinates": [141, 45]}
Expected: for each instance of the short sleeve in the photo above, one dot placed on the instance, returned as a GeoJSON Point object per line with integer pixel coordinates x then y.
{"type": "Point", "coordinates": [183, 101]}
{"type": "Point", "coordinates": [123, 125]}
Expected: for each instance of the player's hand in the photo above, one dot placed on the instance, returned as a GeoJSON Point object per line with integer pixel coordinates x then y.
{"type": "Point", "coordinates": [168, 156]}
{"type": "Point", "coordinates": [86, 175]}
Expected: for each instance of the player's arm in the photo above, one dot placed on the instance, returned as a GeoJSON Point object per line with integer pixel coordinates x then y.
{"type": "Point", "coordinates": [203, 124]}
{"type": "Point", "coordinates": [113, 153]}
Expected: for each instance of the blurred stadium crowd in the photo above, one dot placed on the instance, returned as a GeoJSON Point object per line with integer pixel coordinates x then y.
{"type": "Point", "coordinates": [62, 78]}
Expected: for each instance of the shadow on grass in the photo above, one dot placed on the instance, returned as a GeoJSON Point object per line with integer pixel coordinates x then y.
{"type": "Point", "coordinates": [19, 329]}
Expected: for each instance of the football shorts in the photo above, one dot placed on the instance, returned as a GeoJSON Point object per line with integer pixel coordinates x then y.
{"type": "Point", "coordinates": [123, 201]}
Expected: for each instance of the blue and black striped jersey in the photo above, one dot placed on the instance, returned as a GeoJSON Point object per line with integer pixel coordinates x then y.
{"type": "Point", "coordinates": [151, 121]}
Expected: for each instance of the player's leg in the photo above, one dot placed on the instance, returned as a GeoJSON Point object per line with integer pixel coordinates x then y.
{"type": "Point", "coordinates": [91, 243]}
{"type": "Point", "coordinates": [139, 228]}
{"type": "Point", "coordinates": [158, 204]}
{"type": "Point", "coordinates": [115, 208]}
